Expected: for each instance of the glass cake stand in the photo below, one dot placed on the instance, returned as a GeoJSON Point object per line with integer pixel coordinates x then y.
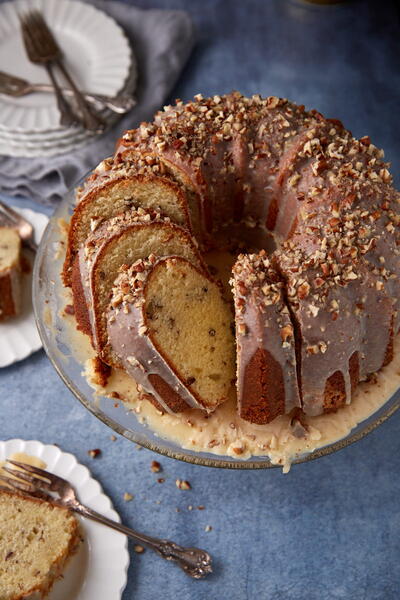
{"type": "Point", "coordinates": [49, 300]}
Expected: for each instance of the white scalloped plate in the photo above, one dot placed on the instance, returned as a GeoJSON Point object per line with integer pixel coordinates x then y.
{"type": "Point", "coordinates": [19, 336]}
{"type": "Point", "coordinates": [99, 570]}
{"type": "Point", "coordinates": [81, 30]}
{"type": "Point", "coordinates": [50, 148]}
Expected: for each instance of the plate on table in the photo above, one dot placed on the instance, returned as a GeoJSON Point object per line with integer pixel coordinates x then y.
{"type": "Point", "coordinates": [29, 125]}
{"type": "Point", "coordinates": [99, 569]}
{"type": "Point", "coordinates": [19, 335]}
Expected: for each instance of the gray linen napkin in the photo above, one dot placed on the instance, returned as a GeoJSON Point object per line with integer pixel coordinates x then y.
{"type": "Point", "coordinates": [162, 41]}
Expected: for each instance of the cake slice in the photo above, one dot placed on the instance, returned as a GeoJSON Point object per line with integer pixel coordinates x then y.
{"type": "Point", "coordinates": [10, 273]}
{"type": "Point", "coordinates": [115, 187]}
{"type": "Point", "coordinates": [36, 540]}
{"type": "Point", "coordinates": [171, 329]}
{"type": "Point", "coordinates": [117, 242]}
{"type": "Point", "coordinates": [266, 351]}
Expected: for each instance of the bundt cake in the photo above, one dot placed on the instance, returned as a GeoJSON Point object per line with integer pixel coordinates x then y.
{"type": "Point", "coordinates": [10, 273]}
{"type": "Point", "coordinates": [159, 313]}
{"type": "Point", "coordinates": [316, 299]}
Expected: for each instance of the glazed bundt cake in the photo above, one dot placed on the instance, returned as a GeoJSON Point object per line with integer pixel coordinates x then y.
{"type": "Point", "coordinates": [159, 313]}
{"type": "Point", "coordinates": [316, 312]}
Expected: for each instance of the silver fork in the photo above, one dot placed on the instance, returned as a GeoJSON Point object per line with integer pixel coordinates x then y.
{"type": "Point", "coordinates": [39, 483]}
{"type": "Point", "coordinates": [17, 87]}
{"type": "Point", "coordinates": [42, 48]}
{"type": "Point", "coordinates": [10, 218]}
{"type": "Point", "coordinates": [34, 52]}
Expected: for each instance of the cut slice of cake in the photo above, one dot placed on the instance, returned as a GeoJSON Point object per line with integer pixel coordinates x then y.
{"type": "Point", "coordinates": [171, 328]}
{"type": "Point", "coordinates": [10, 273]}
{"type": "Point", "coordinates": [267, 383]}
{"type": "Point", "coordinates": [118, 242]}
{"type": "Point", "coordinates": [36, 540]}
{"type": "Point", "coordinates": [86, 257]}
{"type": "Point", "coordinates": [142, 181]}
{"type": "Point", "coordinates": [161, 168]}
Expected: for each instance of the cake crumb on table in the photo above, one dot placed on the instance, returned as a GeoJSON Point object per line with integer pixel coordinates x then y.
{"type": "Point", "coordinates": [182, 484]}
{"type": "Point", "coordinates": [155, 466]}
{"type": "Point", "coordinates": [95, 453]}
{"type": "Point", "coordinates": [128, 497]}
{"type": "Point", "coordinates": [69, 309]}
{"type": "Point", "coordinates": [138, 549]}
{"type": "Point", "coordinates": [208, 528]}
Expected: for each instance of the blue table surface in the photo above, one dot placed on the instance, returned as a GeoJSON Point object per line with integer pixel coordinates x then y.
{"type": "Point", "coordinates": [330, 529]}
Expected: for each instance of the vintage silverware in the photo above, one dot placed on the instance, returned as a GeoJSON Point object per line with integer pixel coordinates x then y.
{"type": "Point", "coordinates": [10, 218]}
{"type": "Point", "coordinates": [42, 48]}
{"type": "Point", "coordinates": [35, 55]}
{"type": "Point", "coordinates": [15, 86]}
{"type": "Point", "coordinates": [38, 482]}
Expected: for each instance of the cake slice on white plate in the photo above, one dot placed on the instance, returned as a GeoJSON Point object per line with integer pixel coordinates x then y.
{"type": "Point", "coordinates": [36, 540]}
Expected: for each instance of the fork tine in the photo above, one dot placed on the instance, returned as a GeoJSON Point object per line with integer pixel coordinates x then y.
{"type": "Point", "coordinates": [6, 222]}
{"type": "Point", "coordinates": [18, 485]}
{"type": "Point", "coordinates": [26, 32]}
{"type": "Point", "coordinates": [5, 212]}
{"type": "Point", "coordinates": [9, 212]}
{"type": "Point", "coordinates": [25, 489]}
{"type": "Point", "coordinates": [37, 34]}
{"type": "Point", "coordinates": [29, 35]}
{"type": "Point", "coordinates": [24, 227]}
{"type": "Point", "coordinates": [31, 479]}
{"type": "Point", "coordinates": [41, 472]}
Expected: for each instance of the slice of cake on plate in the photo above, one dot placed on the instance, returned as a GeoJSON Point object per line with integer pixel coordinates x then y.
{"type": "Point", "coordinates": [36, 540]}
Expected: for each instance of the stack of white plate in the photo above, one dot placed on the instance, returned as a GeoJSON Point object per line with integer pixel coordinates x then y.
{"type": "Point", "coordinates": [97, 54]}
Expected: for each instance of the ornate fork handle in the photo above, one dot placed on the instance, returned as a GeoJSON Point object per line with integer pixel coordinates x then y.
{"type": "Point", "coordinates": [194, 561]}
